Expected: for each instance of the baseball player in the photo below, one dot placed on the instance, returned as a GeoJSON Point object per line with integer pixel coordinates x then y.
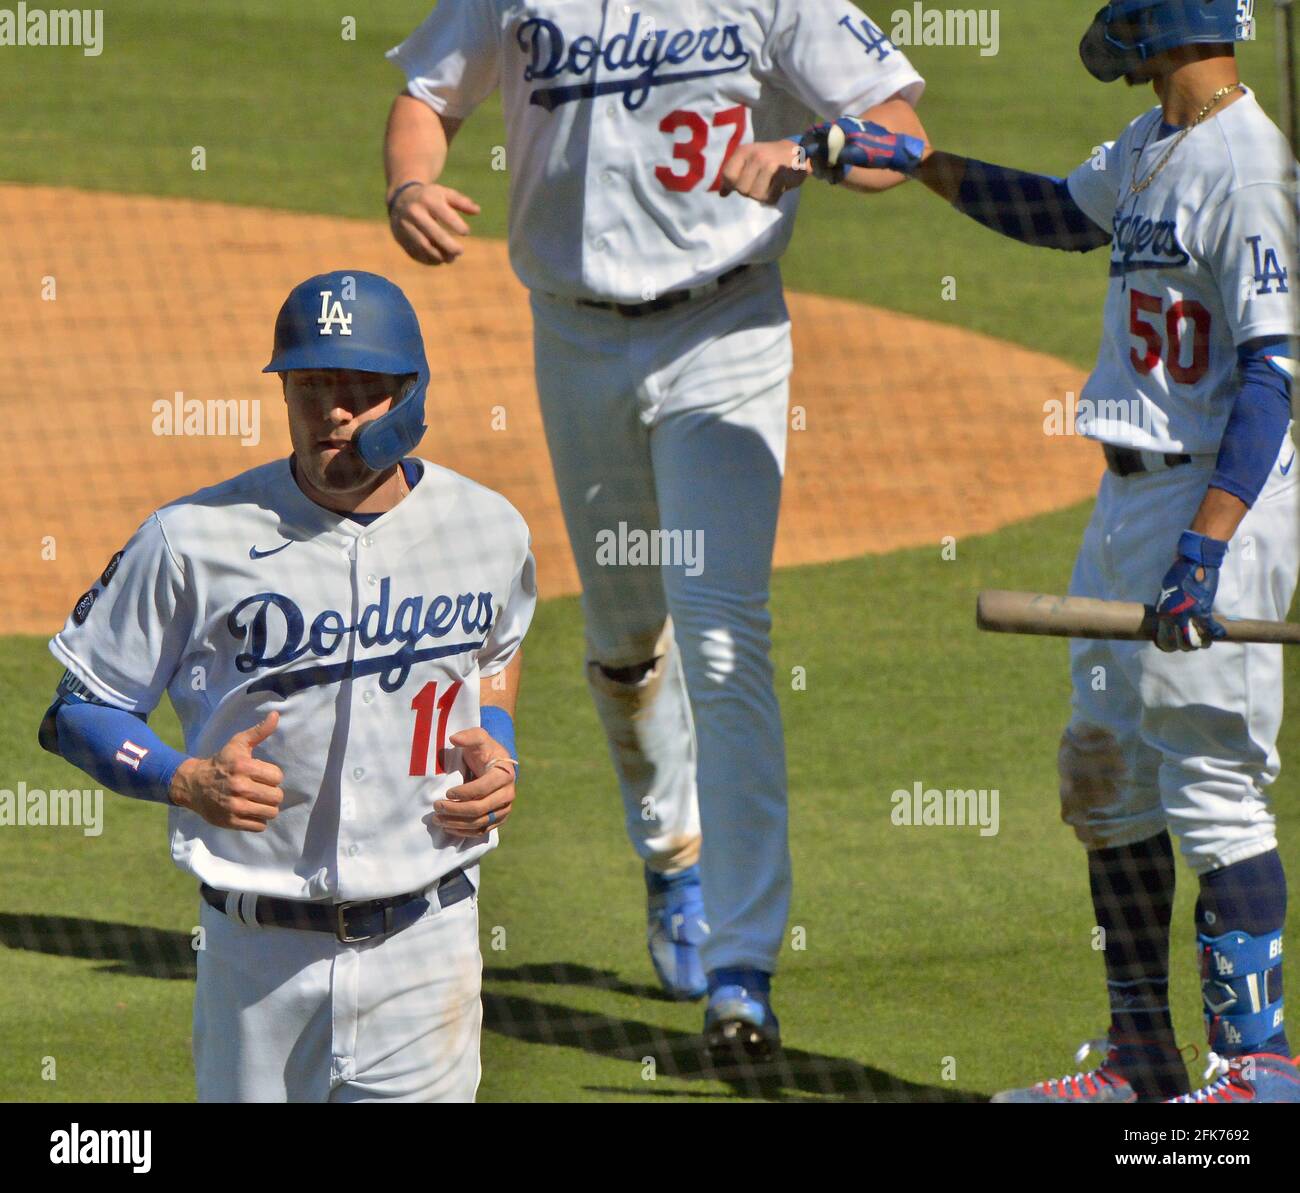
{"type": "Point", "coordinates": [1198, 514]}
{"type": "Point", "coordinates": [339, 633]}
{"type": "Point", "coordinates": [662, 348]}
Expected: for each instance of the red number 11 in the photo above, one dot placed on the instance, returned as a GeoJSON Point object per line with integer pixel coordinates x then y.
{"type": "Point", "coordinates": [426, 700]}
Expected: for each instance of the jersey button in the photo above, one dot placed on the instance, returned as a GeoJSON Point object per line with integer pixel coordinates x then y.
{"type": "Point", "coordinates": [367, 697]}
{"type": "Point", "coordinates": [600, 244]}
{"type": "Point", "coordinates": [371, 580]}
{"type": "Point", "coordinates": [353, 850]}
{"type": "Point", "coordinates": [358, 772]}
{"type": "Point", "coordinates": [368, 541]}
{"type": "Point", "coordinates": [607, 176]}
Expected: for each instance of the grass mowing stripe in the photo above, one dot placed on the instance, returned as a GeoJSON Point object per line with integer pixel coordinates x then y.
{"type": "Point", "coordinates": [918, 944]}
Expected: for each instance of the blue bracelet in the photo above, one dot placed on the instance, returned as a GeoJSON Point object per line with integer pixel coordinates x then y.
{"type": "Point", "coordinates": [392, 199]}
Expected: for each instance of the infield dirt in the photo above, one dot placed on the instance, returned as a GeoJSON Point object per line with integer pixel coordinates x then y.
{"type": "Point", "coordinates": [904, 432]}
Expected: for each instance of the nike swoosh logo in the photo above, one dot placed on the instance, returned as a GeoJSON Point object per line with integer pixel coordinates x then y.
{"type": "Point", "coordinates": [1165, 594]}
{"type": "Point", "coordinates": [1287, 468]}
{"type": "Point", "coordinates": [254, 553]}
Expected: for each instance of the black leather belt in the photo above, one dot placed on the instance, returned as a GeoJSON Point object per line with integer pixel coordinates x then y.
{"type": "Point", "coordinates": [352, 922]}
{"type": "Point", "coordinates": [636, 310]}
{"type": "Point", "coordinates": [1125, 461]}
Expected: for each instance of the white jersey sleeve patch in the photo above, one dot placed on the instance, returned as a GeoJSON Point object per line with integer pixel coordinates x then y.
{"type": "Point", "coordinates": [127, 634]}
{"type": "Point", "coordinates": [836, 60]}
{"type": "Point", "coordinates": [1250, 245]}
{"type": "Point", "coordinates": [453, 60]}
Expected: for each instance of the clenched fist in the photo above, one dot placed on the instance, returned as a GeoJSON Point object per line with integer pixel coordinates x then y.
{"type": "Point", "coordinates": [232, 789]}
{"type": "Point", "coordinates": [765, 170]}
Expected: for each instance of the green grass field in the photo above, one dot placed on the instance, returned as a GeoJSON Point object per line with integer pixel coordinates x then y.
{"type": "Point", "coordinates": [934, 963]}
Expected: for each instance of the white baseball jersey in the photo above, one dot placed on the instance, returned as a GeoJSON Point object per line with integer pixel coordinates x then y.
{"type": "Point", "coordinates": [370, 640]}
{"type": "Point", "coordinates": [1202, 261]}
{"type": "Point", "coordinates": [620, 116]}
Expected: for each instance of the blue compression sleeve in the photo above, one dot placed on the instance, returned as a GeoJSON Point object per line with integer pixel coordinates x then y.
{"type": "Point", "coordinates": [1258, 422]}
{"type": "Point", "coordinates": [113, 746]}
{"type": "Point", "coordinates": [1032, 208]}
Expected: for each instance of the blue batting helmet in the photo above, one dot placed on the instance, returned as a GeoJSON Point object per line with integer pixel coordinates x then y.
{"type": "Point", "coordinates": [354, 320]}
{"type": "Point", "coordinates": [1125, 34]}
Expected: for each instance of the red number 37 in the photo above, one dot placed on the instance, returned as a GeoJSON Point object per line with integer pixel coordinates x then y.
{"type": "Point", "coordinates": [692, 151]}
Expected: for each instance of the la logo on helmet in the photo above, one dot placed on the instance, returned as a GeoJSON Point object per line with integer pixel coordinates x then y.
{"type": "Point", "coordinates": [330, 316]}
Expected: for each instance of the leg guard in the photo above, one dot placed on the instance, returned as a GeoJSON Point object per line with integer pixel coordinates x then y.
{"type": "Point", "coordinates": [1241, 985]}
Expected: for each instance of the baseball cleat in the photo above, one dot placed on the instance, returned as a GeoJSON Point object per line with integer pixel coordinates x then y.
{"type": "Point", "coordinates": [675, 929]}
{"type": "Point", "coordinates": [1259, 1077]}
{"type": "Point", "coordinates": [1102, 1084]}
{"type": "Point", "coordinates": [740, 1025]}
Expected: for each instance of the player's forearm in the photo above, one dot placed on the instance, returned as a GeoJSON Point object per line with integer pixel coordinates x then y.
{"type": "Point", "coordinates": [497, 698]}
{"type": "Point", "coordinates": [942, 173]}
{"type": "Point", "coordinates": [1034, 209]}
{"type": "Point", "coordinates": [502, 689]}
{"type": "Point", "coordinates": [899, 116]}
{"type": "Point", "coordinates": [114, 747]}
{"type": "Point", "coordinates": [1220, 515]}
{"type": "Point", "coordinates": [1254, 434]}
{"type": "Point", "coordinates": [416, 142]}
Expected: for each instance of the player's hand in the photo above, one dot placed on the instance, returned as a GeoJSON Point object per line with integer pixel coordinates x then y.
{"type": "Point", "coordinates": [765, 170]}
{"type": "Point", "coordinates": [1186, 604]}
{"type": "Point", "coordinates": [427, 221]}
{"type": "Point", "coordinates": [232, 789]}
{"type": "Point", "coordinates": [836, 147]}
{"type": "Point", "coordinates": [491, 790]}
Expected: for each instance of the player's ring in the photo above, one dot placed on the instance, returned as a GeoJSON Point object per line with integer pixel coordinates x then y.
{"type": "Point", "coordinates": [492, 818]}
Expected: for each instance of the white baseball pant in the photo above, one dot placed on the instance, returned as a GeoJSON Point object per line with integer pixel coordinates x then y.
{"type": "Point", "coordinates": [677, 421]}
{"type": "Point", "coordinates": [1187, 741]}
{"type": "Point", "coordinates": [289, 1015]}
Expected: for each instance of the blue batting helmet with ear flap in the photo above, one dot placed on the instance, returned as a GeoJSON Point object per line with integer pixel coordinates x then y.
{"type": "Point", "coordinates": [1127, 33]}
{"type": "Point", "coordinates": [355, 320]}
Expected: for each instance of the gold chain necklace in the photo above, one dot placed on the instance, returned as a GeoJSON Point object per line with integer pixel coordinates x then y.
{"type": "Point", "coordinates": [1215, 100]}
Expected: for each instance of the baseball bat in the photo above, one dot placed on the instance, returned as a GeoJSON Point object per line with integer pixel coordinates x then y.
{"type": "Point", "coordinates": [1005, 612]}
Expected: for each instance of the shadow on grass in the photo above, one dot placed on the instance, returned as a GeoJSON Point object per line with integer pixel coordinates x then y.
{"type": "Point", "coordinates": [794, 1075]}
{"type": "Point", "coordinates": [128, 948]}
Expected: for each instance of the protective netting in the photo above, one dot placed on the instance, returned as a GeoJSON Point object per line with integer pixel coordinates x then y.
{"type": "Point", "coordinates": [135, 327]}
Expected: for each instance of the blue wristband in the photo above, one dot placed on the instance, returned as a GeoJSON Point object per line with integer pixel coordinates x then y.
{"type": "Point", "coordinates": [1202, 549]}
{"type": "Point", "coordinates": [501, 728]}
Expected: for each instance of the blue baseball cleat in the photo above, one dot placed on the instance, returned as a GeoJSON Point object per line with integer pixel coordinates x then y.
{"type": "Point", "coordinates": [675, 929]}
{"type": "Point", "coordinates": [1105, 1083]}
{"type": "Point", "coordinates": [1259, 1077]}
{"type": "Point", "coordinates": [739, 1024]}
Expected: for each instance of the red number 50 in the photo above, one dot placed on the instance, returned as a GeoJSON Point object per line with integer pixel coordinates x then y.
{"type": "Point", "coordinates": [1187, 311]}
{"type": "Point", "coordinates": [692, 151]}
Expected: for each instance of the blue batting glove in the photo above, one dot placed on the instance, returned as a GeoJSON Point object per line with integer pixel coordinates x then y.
{"type": "Point", "coordinates": [1186, 606]}
{"type": "Point", "coordinates": [836, 147]}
